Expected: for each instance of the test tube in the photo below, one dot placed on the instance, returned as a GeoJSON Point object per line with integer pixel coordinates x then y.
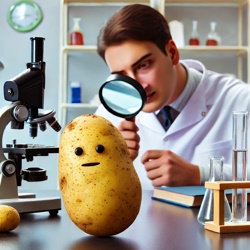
{"type": "Point", "coordinates": [239, 196]}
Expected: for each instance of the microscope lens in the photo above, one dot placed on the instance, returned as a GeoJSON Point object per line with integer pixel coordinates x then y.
{"type": "Point", "coordinates": [42, 126]}
{"type": "Point", "coordinates": [33, 130]}
{"type": "Point", "coordinates": [54, 124]}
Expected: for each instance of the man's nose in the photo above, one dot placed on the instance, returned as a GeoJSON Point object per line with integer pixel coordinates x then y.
{"type": "Point", "coordinates": [144, 85]}
{"type": "Point", "coordinates": [131, 75]}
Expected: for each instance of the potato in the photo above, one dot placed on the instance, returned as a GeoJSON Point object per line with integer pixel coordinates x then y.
{"type": "Point", "coordinates": [99, 185]}
{"type": "Point", "coordinates": [9, 218]}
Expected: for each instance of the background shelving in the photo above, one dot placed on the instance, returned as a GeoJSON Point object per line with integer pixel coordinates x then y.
{"type": "Point", "coordinates": [84, 58]}
{"type": "Point", "coordinates": [233, 53]}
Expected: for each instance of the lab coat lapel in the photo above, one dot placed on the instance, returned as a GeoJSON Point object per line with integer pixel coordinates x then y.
{"type": "Point", "coordinates": [190, 115]}
{"type": "Point", "coordinates": [194, 111]}
{"type": "Point", "coordinates": [150, 121]}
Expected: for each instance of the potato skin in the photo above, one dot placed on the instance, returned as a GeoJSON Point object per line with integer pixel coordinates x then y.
{"type": "Point", "coordinates": [104, 199]}
{"type": "Point", "coordinates": [9, 218]}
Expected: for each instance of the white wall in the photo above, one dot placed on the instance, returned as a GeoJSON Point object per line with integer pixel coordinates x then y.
{"type": "Point", "coordinates": [15, 52]}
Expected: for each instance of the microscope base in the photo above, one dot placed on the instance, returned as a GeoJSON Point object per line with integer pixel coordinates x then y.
{"type": "Point", "coordinates": [26, 195]}
{"type": "Point", "coordinates": [31, 204]}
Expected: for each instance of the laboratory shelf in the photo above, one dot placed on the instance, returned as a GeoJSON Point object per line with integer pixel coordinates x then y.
{"type": "Point", "coordinates": [240, 50]}
{"type": "Point", "coordinates": [226, 2]}
{"type": "Point", "coordinates": [103, 1]}
{"type": "Point", "coordinates": [78, 105]}
{"type": "Point", "coordinates": [79, 48]}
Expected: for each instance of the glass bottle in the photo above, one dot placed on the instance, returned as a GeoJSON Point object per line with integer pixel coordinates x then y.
{"type": "Point", "coordinates": [213, 39]}
{"type": "Point", "coordinates": [239, 196]}
{"type": "Point", "coordinates": [75, 92]}
{"type": "Point", "coordinates": [76, 36]}
{"type": "Point", "coordinates": [194, 39]}
{"type": "Point", "coordinates": [206, 212]}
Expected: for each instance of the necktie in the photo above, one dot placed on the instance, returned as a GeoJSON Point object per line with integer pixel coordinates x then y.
{"type": "Point", "coordinates": [169, 116]}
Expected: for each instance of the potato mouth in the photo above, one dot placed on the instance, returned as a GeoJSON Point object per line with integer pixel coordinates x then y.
{"type": "Point", "coordinates": [90, 164]}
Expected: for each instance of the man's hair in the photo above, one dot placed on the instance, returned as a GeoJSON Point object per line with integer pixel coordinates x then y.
{"type": "Point", "coordinates": [136, 22]}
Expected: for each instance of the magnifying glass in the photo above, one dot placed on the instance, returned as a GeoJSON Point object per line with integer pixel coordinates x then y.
{"type": "Point", "coordinates": [122, 96]}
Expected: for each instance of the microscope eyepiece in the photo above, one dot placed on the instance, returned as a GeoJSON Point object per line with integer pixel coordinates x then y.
{"type": "Point", "coordinates": [37, 49]}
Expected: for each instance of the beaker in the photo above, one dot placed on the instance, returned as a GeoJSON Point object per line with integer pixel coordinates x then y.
{"type": "Point", "coordinates": [206, 212]}
{"type": "Point", "coordinates": [194, 39]}
{"type": "Point", "coordinates": [213, 39]}
{"type": "Point", "coordinates": [76, 36]}
{"type": "Point", "coordinates": [239, 196]}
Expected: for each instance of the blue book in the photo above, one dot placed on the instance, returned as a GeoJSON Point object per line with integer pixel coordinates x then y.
{"type": "Point", "coordinates": [187, 196]}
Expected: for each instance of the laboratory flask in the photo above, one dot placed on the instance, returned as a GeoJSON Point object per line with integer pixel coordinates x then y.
{"type": "Point", "coordinates": [206, 212]}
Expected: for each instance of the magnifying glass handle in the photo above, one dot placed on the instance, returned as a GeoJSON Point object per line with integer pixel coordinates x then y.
{"type": "Point", "coordinates": [131, 119]}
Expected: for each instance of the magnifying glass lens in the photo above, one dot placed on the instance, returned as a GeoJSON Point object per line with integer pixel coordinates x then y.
{"type": "Point", "coordinates": [122, 96]}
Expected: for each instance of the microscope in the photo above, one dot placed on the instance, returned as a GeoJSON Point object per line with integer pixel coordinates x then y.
{"type": "Point", "coordinates": [26, 94]}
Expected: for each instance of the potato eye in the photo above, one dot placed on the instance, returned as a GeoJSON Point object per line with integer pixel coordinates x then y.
{"type": "Point", "coordinates": [99, 148]}
{"type": "Point", "coordinates": [78, 151]}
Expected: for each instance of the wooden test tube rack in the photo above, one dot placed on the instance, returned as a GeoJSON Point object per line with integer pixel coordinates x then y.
{"type": "Point", "coordinates": [218, 224]}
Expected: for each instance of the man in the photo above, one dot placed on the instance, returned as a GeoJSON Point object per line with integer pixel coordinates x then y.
{"type": "Point", "coordinates": [136, 42]}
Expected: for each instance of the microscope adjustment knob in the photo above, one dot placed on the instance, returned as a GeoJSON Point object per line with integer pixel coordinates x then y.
{"type": "Point", "coordinates": [21, 113]}
{"type": "Point", "coordinates": [8, 168]}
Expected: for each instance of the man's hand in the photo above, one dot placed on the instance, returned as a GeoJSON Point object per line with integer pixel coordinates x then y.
{"type": "Point", "coordinates": [165, 168]}
{"type": "Point", "coordinates": [129, 130]}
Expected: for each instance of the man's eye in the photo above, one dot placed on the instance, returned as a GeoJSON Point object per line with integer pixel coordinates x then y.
{"type": "Point", "coordinates": [144, 65]}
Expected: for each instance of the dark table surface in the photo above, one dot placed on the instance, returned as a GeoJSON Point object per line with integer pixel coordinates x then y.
{"type": "Point", "coordinates": [159, 226]}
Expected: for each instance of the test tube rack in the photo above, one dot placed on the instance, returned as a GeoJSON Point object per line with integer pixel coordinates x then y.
{"type": "Point", "coordinates": [218, 224]}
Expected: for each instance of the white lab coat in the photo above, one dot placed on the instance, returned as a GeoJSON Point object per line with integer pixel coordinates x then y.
{"type": "Point", "coordinates": [202, 129]}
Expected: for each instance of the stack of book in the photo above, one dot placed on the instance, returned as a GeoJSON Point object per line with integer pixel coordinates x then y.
{"type": "Point", "coordinates": [188, 196]}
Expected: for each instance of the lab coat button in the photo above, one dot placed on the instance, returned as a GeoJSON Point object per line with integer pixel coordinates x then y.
{"type": "Point", "coordinates": [165, 139]}
{"type": "Point", "coordinates": [203, 114]}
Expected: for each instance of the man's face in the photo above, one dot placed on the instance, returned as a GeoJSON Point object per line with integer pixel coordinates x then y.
{"type": "Point", "coordinates": [146, 63]}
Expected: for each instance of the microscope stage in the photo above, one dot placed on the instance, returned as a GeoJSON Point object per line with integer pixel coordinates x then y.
{"type": "Point", "coordinates": [30, 149]}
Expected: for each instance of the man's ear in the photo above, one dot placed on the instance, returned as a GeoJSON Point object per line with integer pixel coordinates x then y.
{"type": "Point", "coordinates": [172, 51]}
